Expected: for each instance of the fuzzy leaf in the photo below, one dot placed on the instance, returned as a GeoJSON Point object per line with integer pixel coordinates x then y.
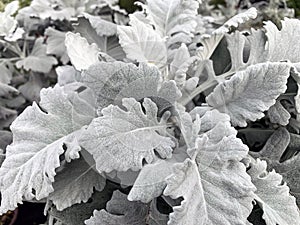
{"type": "Point", "coordinates": [7, 22]}
{"type": "Point", "coordinates": [119, 211]}
{"type": "Point", "coordinates": [108, 45]}
{"type": "Point", "coordinates": [5, 90]}
{"type": "Point", "coordinates": [81, 53]}
{"type": "Point", "coordinates": [273, 197]}
{"type": "Point", "coordinates": [143, 44]}
{"type": "Point", "coordinates": [38, 60]}
{"type": "Point", "coordinates": [114, 81]}
{"type": "Point", "coordinates": [273, 151]}
{"type": "Point", "coordinates": [278, 114]}
{"type": "Point", "coordinates": [31, 89]}
{"type": "Point", "coordinates": [215, 185]}
{"type": "Point", "coordinates": [6, 74]}
{"type": "Point", "coordinates": [238, 44]}
{"type": "Point", "coordinates": [77, 213]}
{"type": "Point", "coordinates": [39, 136]}
{"type": "Point", "coordinates": [75, 184]}
{"type": "Point", "coordinates": [150, 182]}
{"type": "Point", "coordinates": [236, 20]}
{"type": "Point", "coordinates": [55, 44]}
{"type": "Point", "coordinates": [250, 92]}
{"type": "Point", "coordinates": [180, 65]}
{"type": "Point", "coordinates": [281, 43]}
{"type": "Point", "coordinates": [120, 140]}
{"type": "Point", "coordinates": [101, 26]}
{"type": "Point", "coordinates": [174, 19]}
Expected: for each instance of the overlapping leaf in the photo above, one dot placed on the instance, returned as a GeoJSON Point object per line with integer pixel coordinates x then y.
{"type": "Point", "coordinates": [40, 133]}
{"type": "Point", "coordinates": [174, 19]}
{"type": "Point", "coordinates": [120, 211]}
{"type": "Point", "coordinates": [281, 43]}
{"type": "Point", "coordinates": [81, 53]}
{"type": "Point", "coordinates": [56, 44]}
{"type": "Point", "coordinates": [107, 44]}
{"type": "Point", "coordinates": [142, 43]}
{"type": "Point", "coordinates": [77, 213]}
{"type": "Point", "coordinates": [150, 182]}
{"type": "Point", "coordinates": [121, 140]}
{"type": "Point", "coordinates": [272, 152]}
{"type": "Point", "coordinates": [239, 44]}
{"type": "Point", "coordinates": [250, 92]}
{"type": "Point", "coordinates": [7, 22]}
{"type": "Point", "coordinates": [75, 184]}
{"type": "Point", "coordinates": [38, 60]}
{"type": "Point", "coordinates": [114, 81]}
{"type": "Point", "coordinates": [273, 197]}
{"type": "Point", "coordinates": [215, 185]}
{"type": "Point", "coordinates": [278, 114]}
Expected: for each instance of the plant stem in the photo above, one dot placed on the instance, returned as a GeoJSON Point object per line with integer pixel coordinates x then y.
{"type": "Point", "coordinates": [206, 85]}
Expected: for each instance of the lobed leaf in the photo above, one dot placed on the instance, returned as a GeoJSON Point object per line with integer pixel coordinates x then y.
{"type": "Point", "coordinates": [281, 43]}
{"type": "Point", "coordinates": [215, 185]}
{"type": "Point", "coordinates": [121, 140]}
{"type": "Point", "coordinates": [173, 19]}
{"type": "Point", "coordinates": [117, 80]}
{"type": "Point", "coordinates": [38, 142]}
{"type": "Point", "coordinates": [273, 196]}
{"type": "Point", "coordinates": [247, 94]}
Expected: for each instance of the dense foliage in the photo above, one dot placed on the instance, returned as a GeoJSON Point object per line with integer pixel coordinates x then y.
{"type": "Point", "coordinates": [180, 113]}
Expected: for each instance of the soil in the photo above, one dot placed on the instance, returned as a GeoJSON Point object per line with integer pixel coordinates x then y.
{"type": "Point", "coordinates": [26, 214]}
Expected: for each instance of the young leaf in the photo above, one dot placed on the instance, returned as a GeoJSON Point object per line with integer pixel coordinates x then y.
{"type": "Point", "coordinates": [250, 92]}
{"type": "Point", "coordinates": [75, 184]}
{"type": "Point", "coordinates": [120, 140]}
{"type": "Point", "coordinates": [81, 53]}
{"type": "Point", "coordinates": [174, 19]}
{"type": "Point", "coordinates": [273, 197]}
{"type": "Point", "coordinates": [143, 44]}
{"type": "Point", "coordinates": [39, 136]}
{"type": "Point", "coordinates": [215, 185]}
{"type": "Point", "coordinates": [180, 65]}
{"type": "Point", "coordinates": [236, 20]}
{"type": "Point", "coordinates": [38, 60]}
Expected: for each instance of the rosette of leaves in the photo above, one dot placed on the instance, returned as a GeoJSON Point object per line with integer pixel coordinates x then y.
{"type": "Point", "coordinates": [142, 128]}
